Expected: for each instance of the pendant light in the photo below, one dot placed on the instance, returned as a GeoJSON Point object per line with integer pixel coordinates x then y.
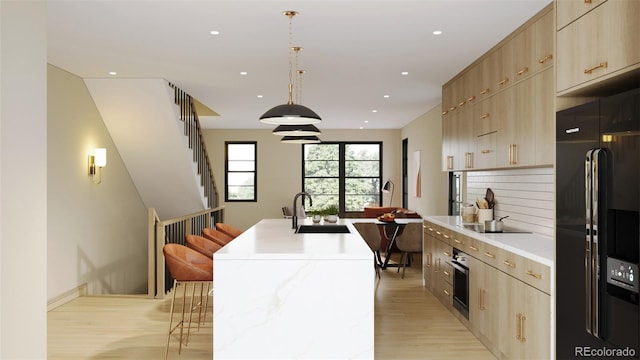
{"type": "Point", "coordinates": [290, 113]}
{"type": "Point", "coordinates": [300, 140]}
{"type": "Point", "coordinates": [296, 130]}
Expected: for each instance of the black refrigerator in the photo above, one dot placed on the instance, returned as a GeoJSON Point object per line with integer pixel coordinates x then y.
{"type": "Point", "coordinates": [597, 228]}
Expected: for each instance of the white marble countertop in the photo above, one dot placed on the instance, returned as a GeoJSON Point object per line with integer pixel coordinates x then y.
{"type": "Point", "coordinates": [275, 239]}
{"type": "Point", "coordinates": [531, 246]}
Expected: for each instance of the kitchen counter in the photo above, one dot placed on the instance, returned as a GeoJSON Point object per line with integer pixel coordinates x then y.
{"type": "Point", "coordinates": [532, 246]}
{"type": "Point", "coordinates": [281, 295]}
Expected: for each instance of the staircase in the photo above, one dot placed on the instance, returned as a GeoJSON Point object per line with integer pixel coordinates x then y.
{"type": "Point", "coordinates": [157, 134]}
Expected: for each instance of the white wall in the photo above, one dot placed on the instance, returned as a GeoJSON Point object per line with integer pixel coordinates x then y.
{"type": "Point", "coordinates": [425, 135]}
{"type": "Point", "coordinates": [23, 179]}
{"type": "Point", "coordinates": [280, 168]}
{"type": "Point", "coordinates": [96, 233]}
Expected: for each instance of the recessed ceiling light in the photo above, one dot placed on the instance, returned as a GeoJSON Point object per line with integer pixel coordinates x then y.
{"type": "Point", "coordinates": [214, 32]}
{"type": "Point", "coordinates": [361, 127]}
{"type": "Point", "coordinates": [113, 73]}
{"type": "Point", "coordinates": [404, 73]}
{"type": "Point", "coordinates": [260, 96]}
{"type": "Point", "coordinates": [243, 73]}
{"type": "Point", "coordinates": [386, 96]}
{"type": "Point", "coordinates": [437, 32]}
{"type": "Point", "coordinates": [366, 121]}
{"type": "Point", "coordinates": [374, 111]}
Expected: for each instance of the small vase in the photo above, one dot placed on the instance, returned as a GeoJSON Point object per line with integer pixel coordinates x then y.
{"type": "Point", "coordinates": [316, 218]}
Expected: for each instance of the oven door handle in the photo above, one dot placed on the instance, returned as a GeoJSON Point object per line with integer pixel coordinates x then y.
{"type": "Point", "coordinates": [456, 265]}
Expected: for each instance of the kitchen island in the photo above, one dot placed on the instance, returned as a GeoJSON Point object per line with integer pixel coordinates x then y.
{"type": "Point", "coordinates": [282, 295]}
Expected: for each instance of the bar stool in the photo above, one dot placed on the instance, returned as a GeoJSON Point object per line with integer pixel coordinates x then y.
{"type": "Point", "coordinates": [186, 266]}
{"type": "Point", "coordinates": [228, 230]}
{"type": "Point", "coordinates": [216, 236]}
{"type": "Point", "coordinates": [202, 245]}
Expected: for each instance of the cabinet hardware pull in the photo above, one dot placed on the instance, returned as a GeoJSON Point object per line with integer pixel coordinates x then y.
{"type": "Point", "coordinates": [446, 272]}
{"type": "Point", "coordinates": [518, 329]}
{"type": "Point", "coordinates": [445, 112]}
{"type": "Point", "coordinates": [469, 160]}
{"type": "Point", "coordinates": [447, 254]}
{"type": "Point", "coordinates": [484, 116]}
{"type": "Point", "coordinates": [446, 292]}
{"type": "Point", "coordinates": [450, 162]}
{"type": "Point", "coordinates": [485, 151]}
{"type": "Point", "coordinates": [437, 265]}
{"type": "Point", "coordinates": [544, 59]}
{"type": "Point", "coordinates": [601, 65]}
{"type": "Point", "coordinates": [473, 248]}
{"type": "Point", "coordinates": [473, 97]}
{"type": "Point", "coordinates": [438, 232]}
{"type": "Point", "coordinates": [503, 81]}
{"type": "Point", "coordinates": [461, 104]}
{"type": "Point", "coordinates": [523, 70]}
{"type": "Point", "coordinates": [490, 255]}
{"type": "Point", "coordinates": [522, 319]}
{"type": "Point", "coordinates": [457, 241]}
{"type": "Point", "coordinates": [587, 1]}
{"type": "Point", "coordinates": [481, 299]}
{"type": "Point", "coordinates": [484, 91]}
{"type": "Point", "coordinates": [509, 264]}
{"type": "Point", "coordinates": [428, 260]}
{"type": "Point", "coordinates": [512, 154]}
{"type": "Point", "coordinates": [452, 108]}
{"type": "Point", "coordinates": [531, 273]}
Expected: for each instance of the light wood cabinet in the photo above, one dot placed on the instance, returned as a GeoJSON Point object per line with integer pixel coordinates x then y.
{"type": "Point", "coordinates": [516, 126]}
{"type": "Point", "coordinates": [544, 115]}
{"type": "Point", "coordinates": [524, 315]}
{"type": "Point", "coordinates": [569, 10]}
{"type": "Point", "coordinates": [509, 301]}
{"type": "Point", "coordinates": [428, 249]}
{"type": "Point", "coordinates": [484, 303]}
{"type": "Point", "coordinates": [490, 119]}
{"type": "Point", "coordinates": [600, 45]}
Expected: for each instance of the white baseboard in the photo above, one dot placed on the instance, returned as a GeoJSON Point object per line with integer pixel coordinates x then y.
{"type": "Point", "coordinates": [66, 297]}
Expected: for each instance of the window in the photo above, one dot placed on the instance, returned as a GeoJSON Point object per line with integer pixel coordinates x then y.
{"type": "Point", "coordinates": [344, 174]}
{"type": "Point", "coordinates": [240, 171]}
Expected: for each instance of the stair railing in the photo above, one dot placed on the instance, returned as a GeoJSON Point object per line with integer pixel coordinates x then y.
{"type": "Point", "coordinates": [173, 231]}
{"type": "Point", "coordinates": [193, 132]}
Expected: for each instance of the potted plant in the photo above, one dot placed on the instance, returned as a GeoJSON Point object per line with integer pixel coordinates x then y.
{"type": "Point", "coordinates": [315, 214]}
{"type": "Point", "coordinates": [331, 213]}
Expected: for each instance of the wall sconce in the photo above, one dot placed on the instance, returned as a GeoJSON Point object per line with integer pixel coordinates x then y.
{"type": "Point", "coordinates": [96, 162]}
{"type": "Point", "coordinates": [388, 187]}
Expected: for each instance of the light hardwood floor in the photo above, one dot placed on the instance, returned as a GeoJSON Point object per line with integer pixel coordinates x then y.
{"type": "Point", "coordinates": [409, 324]}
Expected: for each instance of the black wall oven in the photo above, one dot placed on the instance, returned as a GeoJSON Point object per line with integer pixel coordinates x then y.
{"type": "Point", "coordinates": [460, 263]}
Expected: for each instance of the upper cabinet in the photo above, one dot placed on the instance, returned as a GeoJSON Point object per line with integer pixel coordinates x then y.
{"type": "Point", "coordinates": [569, 10]}
{"type": "Point", "coordinates": [598, 44]}
{"type": "Point", "coordinates": [491, 117]}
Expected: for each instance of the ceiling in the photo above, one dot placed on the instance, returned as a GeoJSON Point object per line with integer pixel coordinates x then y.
{"type": "Point", "coordinates": [353, 51]}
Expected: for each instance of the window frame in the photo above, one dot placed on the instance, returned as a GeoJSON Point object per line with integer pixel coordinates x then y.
{"type": "Point", "coordinates": [227, 171]}
{"type": "Point", "coordinates": [342, 170]}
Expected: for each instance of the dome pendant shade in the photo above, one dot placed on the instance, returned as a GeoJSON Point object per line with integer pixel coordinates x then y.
{"type": "Point", "coordinates": [296, 130]}
{"type": "Point", "coordinates": [290, 114]}
{"type": "Point", "coordinates": [300, 140]}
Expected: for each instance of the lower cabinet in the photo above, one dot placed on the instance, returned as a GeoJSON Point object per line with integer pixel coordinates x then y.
{"type": "Point", "coordinates": [524, 318]}
{"type": "Point", "coordinates": [484, 303]}
{"type": "Point", "coordinates": [512, 318]}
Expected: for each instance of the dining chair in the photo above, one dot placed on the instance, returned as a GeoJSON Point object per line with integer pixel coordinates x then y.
{"type": "Point", "coordinates": [216, 236]}
{"type": "Point", "coordinates": [409, 241]}
{"type": "Point", "coordinates": [228, 229]}
{"type": "Point", "coordinates": [371, 235]}
{"type": "Point", "coordinates": [187, 267]}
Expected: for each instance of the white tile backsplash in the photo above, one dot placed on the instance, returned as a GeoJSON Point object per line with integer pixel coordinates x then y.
{"type": "Point", "coordinates": [525, 195]}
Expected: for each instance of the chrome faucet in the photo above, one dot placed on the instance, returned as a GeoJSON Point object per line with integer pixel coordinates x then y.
{"type": "Point", "coordinates": [294, 218]}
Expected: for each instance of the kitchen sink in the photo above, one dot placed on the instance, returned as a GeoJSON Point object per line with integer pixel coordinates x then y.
{"type": "Point", "coordinates": [322, 229]}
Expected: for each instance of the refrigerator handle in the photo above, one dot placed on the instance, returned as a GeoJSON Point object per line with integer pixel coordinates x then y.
{"type": "Point", "coordinates": [587, 251]}
{"type": "Point", "coordinates": [595, 252]}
